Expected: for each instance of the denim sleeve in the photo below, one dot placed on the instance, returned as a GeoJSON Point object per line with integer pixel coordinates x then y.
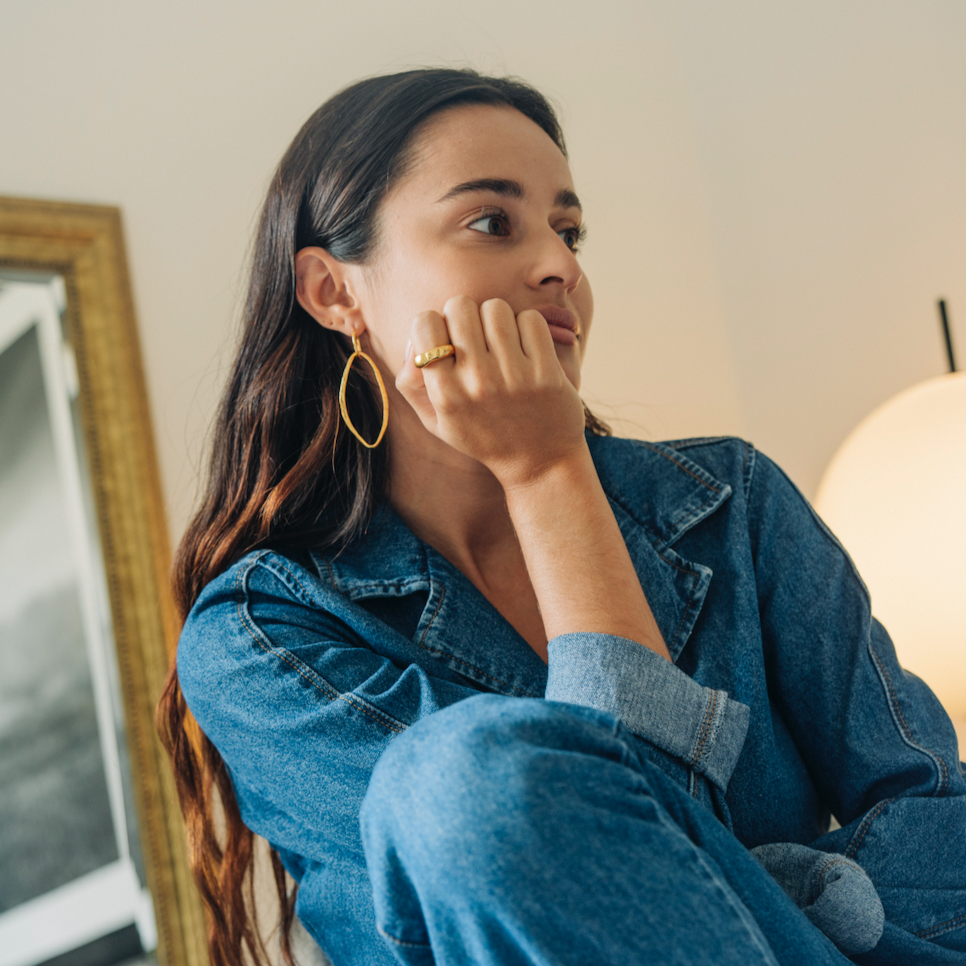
{"type": "Point", "coordinates": [701, 727]}
{"type": "Point", "coordinates": [877, 743]}
{"type": "Point", "coordinates": [298, 705]}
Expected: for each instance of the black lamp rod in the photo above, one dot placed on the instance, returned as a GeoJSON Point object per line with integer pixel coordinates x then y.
{"type": "Point", "coordinates": [946, 333]}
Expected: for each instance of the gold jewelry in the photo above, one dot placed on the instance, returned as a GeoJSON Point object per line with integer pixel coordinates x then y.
{"type": "Point", "coordinates": [434, 355]}
{"type": "Point", "coordinates": [357, 351]}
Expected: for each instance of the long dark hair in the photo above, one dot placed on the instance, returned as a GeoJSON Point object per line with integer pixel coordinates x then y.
{"type": "Point", "coordinates": [282, 473]}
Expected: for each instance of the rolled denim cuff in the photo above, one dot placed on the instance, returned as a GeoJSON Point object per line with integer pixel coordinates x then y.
{"type": "Point", "coordinates": [703, 728]}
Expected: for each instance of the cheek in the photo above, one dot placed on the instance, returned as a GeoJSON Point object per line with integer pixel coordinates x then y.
{"type": "Point", "coordinates": [584, 303]}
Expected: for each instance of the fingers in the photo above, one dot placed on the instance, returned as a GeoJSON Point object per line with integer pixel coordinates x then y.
{"type": "Point", "coordinates": [501, 333]}
{"type": "Point", "coordinates": [462, 318]}
{"type": "Point", "coordinates": [536, 341]}
{"type": "Point", "coordinates": [428, 331]}
{"type": "Point", "coordinates": [490, 342]}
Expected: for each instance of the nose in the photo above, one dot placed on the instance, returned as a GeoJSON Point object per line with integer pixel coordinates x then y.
{"type": "Point", "coordinates": [554, 264]}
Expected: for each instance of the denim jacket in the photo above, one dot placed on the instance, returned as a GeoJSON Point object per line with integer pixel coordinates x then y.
{"type": "Point", "coordinates": [784, 705]}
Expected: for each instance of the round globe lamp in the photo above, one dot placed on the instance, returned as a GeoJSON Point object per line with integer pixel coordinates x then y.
{"type": "Point", "coordinates": [895, 495]}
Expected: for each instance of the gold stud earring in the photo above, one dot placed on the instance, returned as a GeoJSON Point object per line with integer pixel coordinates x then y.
{"type": "Point", "coordinates": [357, 351]}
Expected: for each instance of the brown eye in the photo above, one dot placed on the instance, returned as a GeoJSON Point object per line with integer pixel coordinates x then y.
{"type": "Point", "coordinates": [490, 225]}
{"type": "Point", "coordinates": [572, 238]}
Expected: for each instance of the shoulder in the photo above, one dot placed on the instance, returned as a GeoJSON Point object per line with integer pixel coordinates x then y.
{"type": "Point", "coordinates": [260, 573]}
{"type": "Point", "coordinates": [727, 460]}
{"type": "Point", "coordinates": [263, 602]}
{"type": "Point", "coordinates": [673, 484]}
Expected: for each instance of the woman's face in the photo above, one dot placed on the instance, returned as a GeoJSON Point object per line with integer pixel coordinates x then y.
{"type": "Point", "coordinates": [487, 209]}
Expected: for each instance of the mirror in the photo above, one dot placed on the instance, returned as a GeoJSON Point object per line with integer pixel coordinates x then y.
{"type": "Point", "coordinates": [91, 842]}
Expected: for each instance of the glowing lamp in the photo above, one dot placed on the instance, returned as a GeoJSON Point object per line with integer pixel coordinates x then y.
{"type": "Point", "coordinates": [895, 495]}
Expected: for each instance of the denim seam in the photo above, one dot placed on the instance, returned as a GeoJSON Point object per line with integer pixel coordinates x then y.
{"type": "Point", "coordinates": [432, 620]}
{"type": "Point", "coordinates": [948, 926]}
{"type": "Point", "coordinates": [748, 469]}
{"type": "Point", "coordinates": [860, 832]}
{"type": "Point", "coordinates": [300, 667]}
{"type": "Point", "coordinates": [687, 606]}
{"type": "Point", "coordinates": [693, 442]}
{"type": "Point", "coordinates": [273, 567]}
{"type": "Point", "coordinates": [681, 466]}
{"type": "Point", "coordinates": [402, 942]}
{"type": "Point", "coordinates": [892, 698]}
{"type": "Point", "coordinates": [702, 736]}
{"type": "Point", "coordinates": [661, 542]}
{"type": "Point", "coordinates": [437, 651]}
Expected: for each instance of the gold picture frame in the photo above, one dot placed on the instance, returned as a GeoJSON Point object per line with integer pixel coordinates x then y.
{"type": "Point", "coordinates": [84, 245]}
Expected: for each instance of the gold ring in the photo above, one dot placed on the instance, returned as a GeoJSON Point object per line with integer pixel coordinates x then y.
{"type": "Point", "coordinates": [434, 355]}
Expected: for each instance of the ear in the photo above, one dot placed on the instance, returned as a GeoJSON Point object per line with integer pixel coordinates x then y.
{"type": "Point", "coordinates": [322, 290]}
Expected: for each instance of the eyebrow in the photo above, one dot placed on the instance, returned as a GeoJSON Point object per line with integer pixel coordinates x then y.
{"type": "Point", "coordinates": [508, 189]}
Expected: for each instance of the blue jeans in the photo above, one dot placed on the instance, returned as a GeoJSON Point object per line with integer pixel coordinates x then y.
{"type": "Point", "coordinates": [513, 831]}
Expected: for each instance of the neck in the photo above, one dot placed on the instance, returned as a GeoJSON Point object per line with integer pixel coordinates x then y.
{"type": "Point", "coordinates": [450, 501]}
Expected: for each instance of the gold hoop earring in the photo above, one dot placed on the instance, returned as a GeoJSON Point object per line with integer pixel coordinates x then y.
{"type": "Point", "coordinates": [357, 351]}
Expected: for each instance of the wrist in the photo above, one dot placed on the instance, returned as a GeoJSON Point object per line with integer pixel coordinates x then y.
{"type": "Point", "coordinates": [563, 473]}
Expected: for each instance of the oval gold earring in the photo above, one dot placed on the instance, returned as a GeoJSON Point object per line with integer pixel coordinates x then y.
{"type": "Point", "coordinates": [357, 351]}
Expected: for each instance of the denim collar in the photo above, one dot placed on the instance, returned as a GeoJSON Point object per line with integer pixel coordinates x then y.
{"type": "Point", "coordinates": [657, 495]}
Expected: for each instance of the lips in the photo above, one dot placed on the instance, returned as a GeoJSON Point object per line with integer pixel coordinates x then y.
{"type": "Point", "coordinates": [561, 319]}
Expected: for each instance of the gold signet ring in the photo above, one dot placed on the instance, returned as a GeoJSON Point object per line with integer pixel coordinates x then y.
{"type": "Point", "coordinates": [433, 355]}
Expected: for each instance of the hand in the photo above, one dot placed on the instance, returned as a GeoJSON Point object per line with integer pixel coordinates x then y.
{"type": "Point", "coordinates": [503, 399]}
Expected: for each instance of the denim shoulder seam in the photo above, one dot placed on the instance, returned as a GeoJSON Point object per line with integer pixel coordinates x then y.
{"type": "Point", "coordinates": [905, 732]}
{"type": "Point", "coordinates": [279, 567]}
{"type": "Point", "coordinates": [748, 469]}
{"type": "Point", "coordinates": [307, 673]}
{"type": "Point", "coordinates": [820, 525]}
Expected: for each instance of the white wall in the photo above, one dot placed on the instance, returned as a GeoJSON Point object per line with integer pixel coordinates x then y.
{"type": "Point", "coordinates": [774, 190]}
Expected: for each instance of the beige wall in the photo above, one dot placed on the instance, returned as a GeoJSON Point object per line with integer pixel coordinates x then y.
{"type": "Point", "coordinates": [774, 191]}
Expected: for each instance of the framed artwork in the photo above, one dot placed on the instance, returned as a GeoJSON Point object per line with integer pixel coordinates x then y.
{"type": "Point", "coordinates": [92, 850]}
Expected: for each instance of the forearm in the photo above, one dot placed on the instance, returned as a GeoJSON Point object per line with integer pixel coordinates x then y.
{"type": "Point", "coordinates": [576, 557]}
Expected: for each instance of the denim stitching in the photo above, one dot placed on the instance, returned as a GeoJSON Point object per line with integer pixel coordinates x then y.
{"type": "Point", "coordinates": [748, 469]}
{"type": "Point", "coordinates": [402, 942]}
{"type": "Point", "coordinates": [442, 594]}
{"type": "Point", "coordinates": [271, 568]}
{"type": "Point", "coordinates": [942, 927]}
{"type": "Point", "coordinates": [702, 738]}
{"type": "Point", "coordinates": [687, 606]}
{"type": "Point", "coordinates": [302, 669]}
{"type": "Point", "coordinates": [860, 832]}
{"type": "Point", "coordinates": [893, 701]}
{"type": "Point", "coordinates": [659, 540]}
{"type": "Point", "coordinates": [681, 466]}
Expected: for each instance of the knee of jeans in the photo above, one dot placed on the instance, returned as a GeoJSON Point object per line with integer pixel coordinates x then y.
{"type": "Point", "coordinates": [475, 764]}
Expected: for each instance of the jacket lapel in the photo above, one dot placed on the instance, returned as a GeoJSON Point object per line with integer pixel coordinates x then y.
{"type": "Point", "coordinates": [656, 495]}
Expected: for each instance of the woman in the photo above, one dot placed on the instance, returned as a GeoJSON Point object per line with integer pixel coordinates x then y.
{"type": "Point", "coordinates": [496, 687]}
